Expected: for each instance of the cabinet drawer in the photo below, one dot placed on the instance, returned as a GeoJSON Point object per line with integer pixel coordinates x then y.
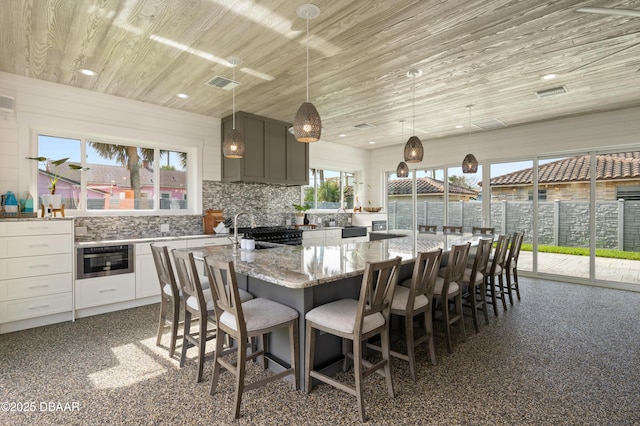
{"type": "Point", "coordinates": [145, 248]}
{"type": "Point", "coordinates": [104, 290]}
{"type": "Point", "coordinates": [16, 310]}
{"type": "Point", "coordinates": [22, 267]}
{"type": "Point", "coordinates": [333, 233]}
{"type": "Point", "coordinates": [35, 245]}
{"type": "Point", "coordinates": [39, 227]}
{"type": "Point", "coordinates": [37, 286]}
{"type": "Point", "coordinates": [205, 242]}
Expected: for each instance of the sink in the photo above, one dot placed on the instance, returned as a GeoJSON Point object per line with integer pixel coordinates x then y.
{"type": "Point", "coordinates": [354, 231]}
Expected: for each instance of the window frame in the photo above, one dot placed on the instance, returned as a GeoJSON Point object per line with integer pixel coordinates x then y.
{"type": "Point", "coordinates": [313, 177]}
{"type": "Point", "coordinates": [193, 181]}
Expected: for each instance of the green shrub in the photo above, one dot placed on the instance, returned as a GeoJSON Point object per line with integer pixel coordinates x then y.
{"type": "Point", "coordinates": [582, 251]}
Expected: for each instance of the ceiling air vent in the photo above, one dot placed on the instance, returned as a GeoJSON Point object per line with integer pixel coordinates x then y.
{"type": "Point", "coordinates": [364, 126]}
{"type": "Point", "coordinates": [222, 83]}
{"type": "Point", "coordinates": [490, 124]}
{"type": "Point", "coordinates": [561, 90]}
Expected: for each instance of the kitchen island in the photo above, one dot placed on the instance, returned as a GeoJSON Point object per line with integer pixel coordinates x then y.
{"type": "Point", "coordinates": [306, 277]}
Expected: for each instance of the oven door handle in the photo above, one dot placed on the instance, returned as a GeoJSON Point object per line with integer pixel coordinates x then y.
{"type": "Point", "coordinates": [90, 256]}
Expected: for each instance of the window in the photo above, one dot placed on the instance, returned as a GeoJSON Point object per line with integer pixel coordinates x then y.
{"type": "Point", "coordinates": [542, 195]}
{"type": "Point", "coordinates": [329, 189]}
{"type": "Point", "coordinates": [116, 177]}
{"type": "Point", "coordinates": [628, 193]}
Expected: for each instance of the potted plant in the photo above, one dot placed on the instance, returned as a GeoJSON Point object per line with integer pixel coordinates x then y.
{"type": "Point", "coordinates": [53, 168]}
{"type": "Point", "coordinates": [300, 212]}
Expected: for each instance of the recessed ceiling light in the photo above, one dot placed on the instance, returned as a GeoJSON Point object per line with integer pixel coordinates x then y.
{"type": "Point", "coordinates": [549, 76]}
{"type": "Point", "coordinates": [182, 95]}
{"type": "Point", "coordinates": [87, 71]}
{"type": "Point", "coordinates": [342, 135]}
{"type": "Point", "coordinates": [459, 126]}
{"type": "Point", "coordinates": [371, 142]}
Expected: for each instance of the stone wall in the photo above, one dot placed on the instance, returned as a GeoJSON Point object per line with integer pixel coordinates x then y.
{"type": "Point", "coordinates": [562, 223]}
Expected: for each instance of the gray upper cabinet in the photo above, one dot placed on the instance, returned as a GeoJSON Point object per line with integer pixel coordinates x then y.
{"type": "Point", "coordinates": [272, 154]}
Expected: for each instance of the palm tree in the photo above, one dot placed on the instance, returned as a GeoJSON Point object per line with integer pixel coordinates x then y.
{"type": "Point", "coordinates": [130, 157]}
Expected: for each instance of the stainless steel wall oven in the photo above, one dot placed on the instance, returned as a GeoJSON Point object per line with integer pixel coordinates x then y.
{"type": "Point", "coordinates": [100, 261]}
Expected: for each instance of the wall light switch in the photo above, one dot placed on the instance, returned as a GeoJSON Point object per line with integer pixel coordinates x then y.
{"type": "Point", "coordinates": [164, 227]}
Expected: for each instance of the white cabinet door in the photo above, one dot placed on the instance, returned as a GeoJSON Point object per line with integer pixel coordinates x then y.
{"type": "Point", "coordinates": [146, 275]}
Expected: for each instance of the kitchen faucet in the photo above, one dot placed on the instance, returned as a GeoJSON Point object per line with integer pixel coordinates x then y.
{"type": "Point", "coordinates": [343, 210]}
{"type": "Point", "coordinates": [235, 225]}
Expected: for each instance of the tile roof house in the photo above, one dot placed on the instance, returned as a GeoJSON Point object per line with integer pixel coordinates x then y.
{"type": "Point", "coordinates": [428, 189]}
{"type": "Point", "coordinates": [618, 176]}
{"type": "Point", "coordinates": [113, 183]}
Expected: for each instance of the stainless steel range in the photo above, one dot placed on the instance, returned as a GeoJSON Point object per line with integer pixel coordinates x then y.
{"type": "Point", "coordinates": [273, 234]}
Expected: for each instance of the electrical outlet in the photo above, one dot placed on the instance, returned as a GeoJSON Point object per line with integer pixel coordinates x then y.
{"type": "Point", "coordinates": [164, 227]}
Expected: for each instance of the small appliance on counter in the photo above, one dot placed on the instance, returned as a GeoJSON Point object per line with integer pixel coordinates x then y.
{"type": "Point", "coordinates": [379, 225]}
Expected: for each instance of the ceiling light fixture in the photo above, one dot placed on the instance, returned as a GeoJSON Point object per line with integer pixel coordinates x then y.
{"type": "Point", "coordinates": [307, 125]}
{"type": "Point", "coordinates": [233, 144]}
{"type": "Point", "coordinates": [87, 71]}
{"type": "Point", "coordinates": [413, 150]}
{"type": "Point", "coordinates": [403, 170]}
{"type": "Point", "coordinates": [182, 95]}
{"type": "Point", "coordinates": [469, 164]}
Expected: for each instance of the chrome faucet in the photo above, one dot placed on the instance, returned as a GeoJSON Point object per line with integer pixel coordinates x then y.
{"type": "Point", "coordinates": [235, 225]}
{"type": "Point", "coordinates": [343, 210]}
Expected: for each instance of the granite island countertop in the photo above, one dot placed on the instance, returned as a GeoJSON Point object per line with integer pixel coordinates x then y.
{"type": "Point", "coordinates": [300, 267]}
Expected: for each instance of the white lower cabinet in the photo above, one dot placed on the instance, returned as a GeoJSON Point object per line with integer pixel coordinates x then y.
{"type": "Point", "coordinates": [145, 269]}
{"type": "Point", "coordinates": [322, 237]}
{"type": "Point", "coordinates": [98, 291]}
{"type": "Point", "coordinates": [36, 273]}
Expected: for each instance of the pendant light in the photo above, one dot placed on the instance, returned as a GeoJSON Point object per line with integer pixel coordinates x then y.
{"type": "Point", "coordinates": [413, 150]}
{"type": "Point", "coordinates": [469, 164]}
{"type": "Point", "coordinates": [403, 170]}
{"type": "Point", "coordinates": [307, 125]}
{"type": "Point", "coordinates": [233, 144]}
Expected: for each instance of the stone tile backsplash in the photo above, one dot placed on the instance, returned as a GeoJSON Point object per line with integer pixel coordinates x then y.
{"type": "Point", "coordinates": [269, 204]}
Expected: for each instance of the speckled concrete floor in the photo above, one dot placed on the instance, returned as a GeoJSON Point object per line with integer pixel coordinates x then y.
{"type": "Point", "coordinates": [566, 355]}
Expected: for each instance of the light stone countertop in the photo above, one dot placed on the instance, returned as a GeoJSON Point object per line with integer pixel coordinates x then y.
{"type": "Point", "coordinates": [300, 267]}
{"type": "Point", "coordinates": [95, 243]}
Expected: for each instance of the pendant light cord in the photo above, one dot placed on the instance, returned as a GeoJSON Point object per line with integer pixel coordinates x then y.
{"type": "Point", "coordinates": [233, 96]}
{"type": "Point", "coordinates": [307, 43]}
{"type": "Point", "coordinates": [414, 104]}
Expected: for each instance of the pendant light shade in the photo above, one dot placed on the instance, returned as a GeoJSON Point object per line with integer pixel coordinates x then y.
{"type": "Point", "coordinates": [470, 163]}
{"type": "Point", "coordinates": [233, 144]}
{"type": "Point", "coordinates": [413, 151]}
{"type": "Point", "coordinates": [307, 125]}
{"type": "Point", "coordinates": [403, 170]}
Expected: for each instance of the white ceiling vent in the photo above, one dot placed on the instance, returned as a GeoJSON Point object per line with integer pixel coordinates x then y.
{"type": "Point", "coordinates": [561, 90]}
{"type": "Point", "coordinates": [364, 126]}
{"type": "Point", "coordinates": [490, 124]}
{"type": "Point", "coordinates": [222, 83]}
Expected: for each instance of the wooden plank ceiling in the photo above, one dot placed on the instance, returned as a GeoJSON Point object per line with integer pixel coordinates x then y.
{"type": "Point", "coordinates": [490, 53]}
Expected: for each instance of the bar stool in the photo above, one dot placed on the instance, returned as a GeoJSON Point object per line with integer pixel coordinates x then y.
{"type": "Point", "coordinates": [170, 295]}
{"type": "Point", "coordinates": [449, 289]}
{"type": "Point", "coordinates": [355, 321]}
{"type": "Point", "coordinates": [494, 280]}
{"type": "Point", "coordinates": [243, 321]}
{"type": "Point", "coordinates": [412, 298]}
